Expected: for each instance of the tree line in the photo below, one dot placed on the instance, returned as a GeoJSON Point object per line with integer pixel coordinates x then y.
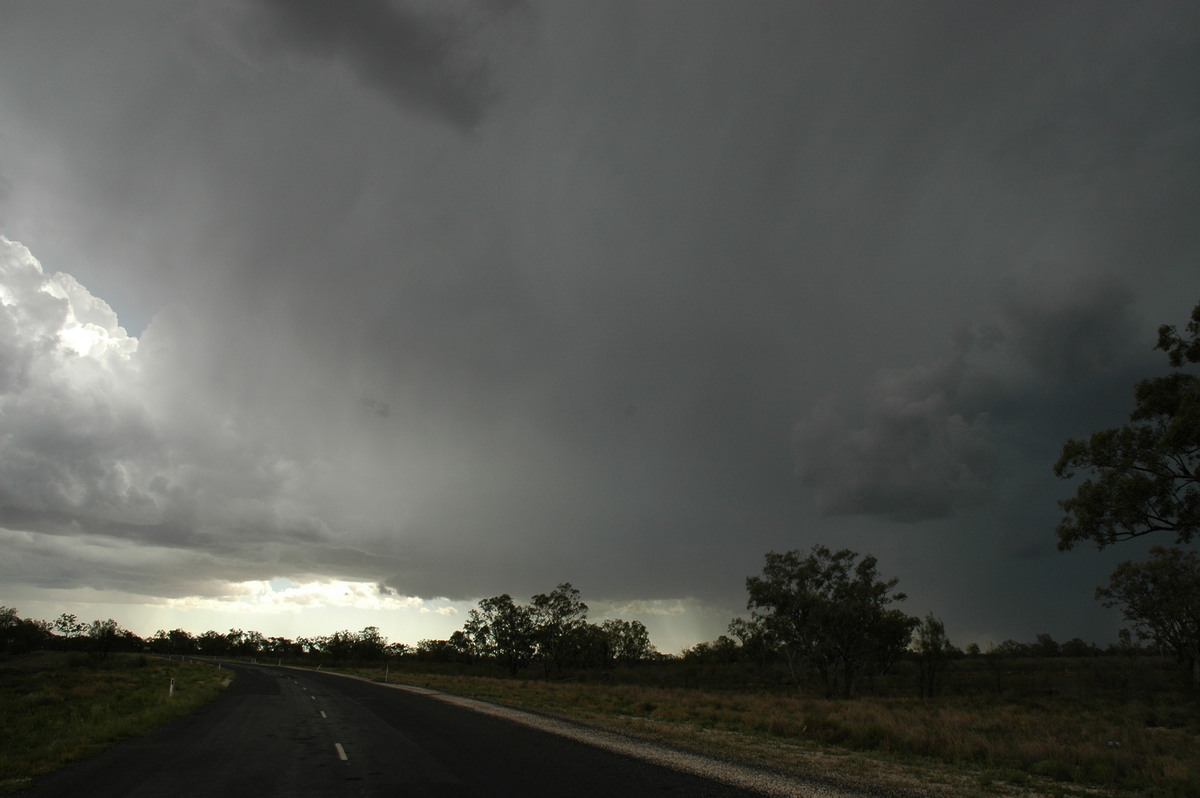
{"type": "Point", "coordinates": [823, 615]}
{"type": "Point", "coordinates": [99, 638]}
{"type": "Point", "coordinates": [551, 632]}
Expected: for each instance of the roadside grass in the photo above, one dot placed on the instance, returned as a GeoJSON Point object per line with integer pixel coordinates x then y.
{"type": "Point", "coordinates": [57, 707]}
{"type": "Point", "coordinates": [980, 745]}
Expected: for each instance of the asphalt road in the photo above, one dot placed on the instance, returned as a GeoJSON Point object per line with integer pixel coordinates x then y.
{"type": "Point", "coordinates": [281, 732]}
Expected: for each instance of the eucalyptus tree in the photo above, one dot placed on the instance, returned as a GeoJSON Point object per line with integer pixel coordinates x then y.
{"type": "Point", "coordinates": [502, 630]}
{"type": "Point", "coordinates": [20, 635]}
{"type": "Point", "coordinates": [1161, 597]}
{"type": "Point", "coordinates": [1145, 475]}
{"type": "Point", "coordinates": [1145, 479]}
{"type": "Point", "coordinates": [933, 651]}
{"type": "Point", "coordinates": [830, 611]}
{"type": "Point", "coordinates": [628, 641]}
{"type": "Point", "coordinates": [557, 620]}
{"type": "Point", "coordinates": [369, 644]}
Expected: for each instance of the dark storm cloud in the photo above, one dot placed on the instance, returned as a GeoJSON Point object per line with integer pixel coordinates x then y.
{"type": "Point", "coordinates": [690, 252]}
{"type": "Point", "coordinates": [928, 440]}
{"type": "Point", "coordinates": [1065, 329]}
{"type": "Point", "coordinates": [418, 55]}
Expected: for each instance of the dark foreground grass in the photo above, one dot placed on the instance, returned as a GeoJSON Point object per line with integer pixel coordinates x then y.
{"type": "Point", "coordinates": [57, 707]}
{"type": "Point", "coordinates": [979, 745]}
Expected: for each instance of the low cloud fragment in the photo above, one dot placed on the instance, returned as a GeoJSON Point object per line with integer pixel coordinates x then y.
{"type": "Point", "coordinates": [374, 407]}
{"type": "Point", "coordinates": [914, 456]}
{"type": "Point", "coordinates": [1065, 327]}
{"type": "Point", "coordinates": [417, 57]}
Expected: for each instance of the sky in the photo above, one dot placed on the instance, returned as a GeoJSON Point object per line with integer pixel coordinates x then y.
{"type": "Point", "coordinates": [318, 316]}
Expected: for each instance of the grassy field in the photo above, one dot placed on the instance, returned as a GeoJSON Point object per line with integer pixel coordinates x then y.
{"type": "Point", "coordinates": [1067, 743]}
{"type": "Point", "coordinates": [57, 707]}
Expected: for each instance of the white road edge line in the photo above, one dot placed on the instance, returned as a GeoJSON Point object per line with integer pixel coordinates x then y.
{"type": "Point", "coordinates": [341, 752]}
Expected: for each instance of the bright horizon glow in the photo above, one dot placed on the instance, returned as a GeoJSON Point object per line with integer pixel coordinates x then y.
{"type": "Point", "coordinates": [286, 608]}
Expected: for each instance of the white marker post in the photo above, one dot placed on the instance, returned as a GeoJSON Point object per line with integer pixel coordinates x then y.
{"type": "Point", "coordinates": [171, 692]}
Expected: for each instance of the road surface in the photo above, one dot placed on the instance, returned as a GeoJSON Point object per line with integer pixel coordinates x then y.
{"type": "Point", "coordinates": [284, 732]}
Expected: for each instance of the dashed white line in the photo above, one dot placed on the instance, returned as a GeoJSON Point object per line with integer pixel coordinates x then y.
{"type": "Point", "coordinates": [322, 713]}
{"type": "Point", "coordinates": [341, 752]}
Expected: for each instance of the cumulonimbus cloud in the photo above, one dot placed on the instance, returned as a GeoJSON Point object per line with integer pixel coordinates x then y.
{"type": "Point", "coordinates": [107, 440]}
{"type": "Point", "coordinates": [71, 412]}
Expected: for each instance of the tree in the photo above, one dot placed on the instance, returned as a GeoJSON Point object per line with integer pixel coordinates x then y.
{"type": "Point", "coordinates": [829, 610]}
{"type": "Point", "coordinates": [1161, 597]}
{"type": "Point", "coordinates": [592, 647]}
{"type": "Point", "coordinates": [1011, 649]}
{"type": "Point", "coordinates": [502, 630]}
{"type": "Point", "coordinates": [1076, 647]}
{"type": "Point", "coordinates": [282, 647]}
{"type": "Point", "coordinates": [104, 636]}
{"type": "Point", "coordinates": [213, 644]}
{"type": "Point", "coordinates": [892, 633]}
{"type": "Point", "coordinates": [178, 641]}
{"type": "Point", "coordinates": [456, 649]}
{"type": "Point", "coordinates": [1046, 646]}
{"type": "Point", "coordinates": [785, 602]}
{"type": "Point", "coordinates": [339, 645]}
{"type": "Point", "coordinates": [1146, 474]}
{"type": "Point", "coordinates": [71, 629]}
{"type": "Point", "coordinates": [21, 635]}
{"type": "Point", "coordinates": [628, 641]}
{"type": "Point", "coordinates": [722, 650]}
{"type": "Point", "coordinates": [397, 650]}
{"type": "Point", "coordinates": [933, 650]}
{"type": "Point", "coordinates": [757, 643]}
{"type": "Point", "coordinates": [253, 643]}
{"type": "Point", "coordinates": [460, 644]}
{"type": "Point", "coordinates": [369, 644]}
{"type": "Point", "coordinates": [556, 618]}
